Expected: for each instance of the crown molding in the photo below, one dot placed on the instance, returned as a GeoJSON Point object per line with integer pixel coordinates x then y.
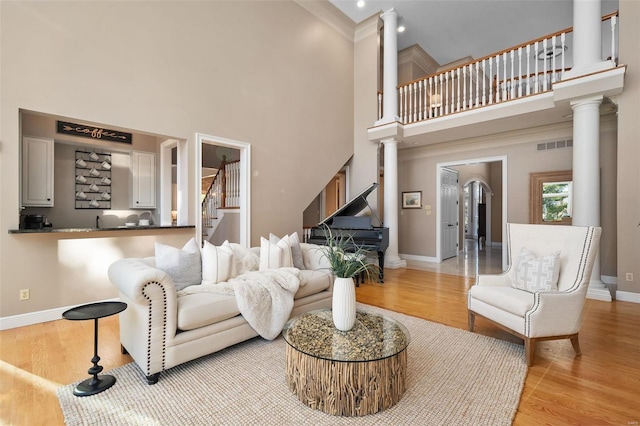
{"type": "Point", "coordinates": [331, 15]}
{"type": "Point", "coordinates": [368, 27]}
{"type": "Point", "coordinates": [415, 54]}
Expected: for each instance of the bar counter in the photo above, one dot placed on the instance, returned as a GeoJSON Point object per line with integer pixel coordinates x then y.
{"type": "Point", "coordinates": [106, 229]}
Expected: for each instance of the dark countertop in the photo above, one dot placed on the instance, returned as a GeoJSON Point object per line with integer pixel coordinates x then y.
{"type": "Point", "coordinates": [117, 228]}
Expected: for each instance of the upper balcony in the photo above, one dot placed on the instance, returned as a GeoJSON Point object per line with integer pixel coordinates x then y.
{"type": "Point", "coordinates": [525, 86]}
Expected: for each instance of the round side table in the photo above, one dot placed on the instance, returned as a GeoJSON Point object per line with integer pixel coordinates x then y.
{"type": "Point", "coordinates": [94, 311]}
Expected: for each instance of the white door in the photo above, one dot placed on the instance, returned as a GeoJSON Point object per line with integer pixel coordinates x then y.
{"type": "Point", "coordinates": [449, 211]}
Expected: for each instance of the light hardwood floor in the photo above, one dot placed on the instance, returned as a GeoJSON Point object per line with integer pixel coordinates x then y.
{"type": "Point", "coordinates": [601, 387]}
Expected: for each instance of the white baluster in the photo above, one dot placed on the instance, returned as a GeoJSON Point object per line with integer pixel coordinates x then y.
{"type": "Point", "coordinates": [415, 101]}
{"type": "Point", "coordinates": [544, 49]}
{"type": "Point", "coordinates": [562, 41]}
{"type": "Point", "coordinates": [420, 100]}
{"type": "Point", "coordinates": [528, 69]}
{"type": "Point", "coordinates": [512, 92]}
{"type": "Point", "coordinates": [410, 92]}
{"type": "Point", "coordinates": [504, 87]}
{"type": "Point", "coordinates": [537, 86]}
{"type": "Point", "coordinates": [445, 94]}
{"type": "Point", "coordinates": [458, 94]}
{"type": "Point", "coordinates": [475, 81]}
{"type": "Point", "coordinates": [441, 94]}
{"type": "Point", "coordinates": [614, 54]}
{"type": "Point", "coordinates": [553, 60]}
{"type": "Point", "coordinates": [471, 79]}
{"type": "Point", "coordinates": [491, 82]}
{"type": "Point", "coordinates": [464, 88]}
{"type": "Point", "coordinates": [520, 80]}
{"type": "Point", "coordinates": [484, 83]}
{"type": "Point", "coordinates": [430, 97]}
{"type": "Point", "coordinates": [452, 79]}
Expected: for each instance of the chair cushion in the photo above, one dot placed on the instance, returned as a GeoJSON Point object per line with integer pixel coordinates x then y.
{"type": "Point", "coordinates": [314, 282]}
{"type": "Point", "coordinates": [537, 274]}
{"type": "Point", "coordinates": [509, 299]}
{"type": "Point", "coordinates": [201, 309]}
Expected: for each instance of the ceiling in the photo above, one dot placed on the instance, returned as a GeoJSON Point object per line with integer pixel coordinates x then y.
{"type": "Point", "coordinates": [449, 30]}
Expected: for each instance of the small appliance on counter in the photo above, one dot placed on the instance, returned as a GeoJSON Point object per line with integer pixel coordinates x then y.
{"type": "Point", "coordinates": [36, 221]}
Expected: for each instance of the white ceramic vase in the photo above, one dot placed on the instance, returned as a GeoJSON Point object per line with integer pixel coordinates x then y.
{"type": "Point", "coordinates": [343, 305]}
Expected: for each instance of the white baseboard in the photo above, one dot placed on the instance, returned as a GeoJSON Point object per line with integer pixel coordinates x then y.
{"type": "Point", "coordinates": [626, 296]}
{"type": "Point", "coordinates": [37, 317]}
{"type": "Point", "coordinates": [623, 296]}
{"type": "Point", "coordinates": [418, 258]}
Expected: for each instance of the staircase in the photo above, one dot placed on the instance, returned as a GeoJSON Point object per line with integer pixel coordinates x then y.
{"type": "Point", "coordinates": [222, 195]}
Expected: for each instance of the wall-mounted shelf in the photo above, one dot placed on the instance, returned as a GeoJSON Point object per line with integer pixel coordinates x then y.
{"type": "Point", "coordinates": [93, 180]}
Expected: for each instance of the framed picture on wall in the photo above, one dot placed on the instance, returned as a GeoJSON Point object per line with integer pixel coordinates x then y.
{"type": "Point", "coordinates": [412, 200]}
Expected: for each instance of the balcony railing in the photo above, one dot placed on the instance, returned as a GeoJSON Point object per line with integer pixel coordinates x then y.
{"type": "Point", "coordinates": [524, 70]}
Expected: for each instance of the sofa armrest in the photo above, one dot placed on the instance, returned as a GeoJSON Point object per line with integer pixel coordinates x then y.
{"type": "Point", "coordinates": [149, 324]}
{"type": "Point", "coordinates": [131, 275]}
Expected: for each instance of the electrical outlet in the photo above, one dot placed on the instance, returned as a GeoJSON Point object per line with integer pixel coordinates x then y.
{"type": "Point", "coordinates": [24, 294]}
{"type": "Point", "coordinates": [629, 276]}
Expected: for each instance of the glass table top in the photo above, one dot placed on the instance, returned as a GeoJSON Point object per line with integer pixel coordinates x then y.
{"type": "Point", "coordinates": [373, 336]}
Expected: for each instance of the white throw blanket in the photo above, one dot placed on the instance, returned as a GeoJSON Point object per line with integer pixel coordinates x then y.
{"type": "Point", "coordinates": [265, 298]}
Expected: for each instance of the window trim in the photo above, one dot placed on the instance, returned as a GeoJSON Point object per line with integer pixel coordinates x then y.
{"type": "Point", "coordinates": [536, 180]}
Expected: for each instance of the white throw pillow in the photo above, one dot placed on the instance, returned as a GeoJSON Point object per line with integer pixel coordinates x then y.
{"type": "Point", "coordinates": [244, 260]}
{"type": "Point", "coordinates": [216, 263]}
{"type": "Point", "coordinates": [275, 254]}
{"type": "Point", "coordinates": [183, 266]}
{"type": "Point", "coordinates": [537, 274]}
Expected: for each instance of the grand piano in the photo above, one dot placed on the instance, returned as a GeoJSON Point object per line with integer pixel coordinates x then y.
{"type": "Point", "coordinates": [344, 222]}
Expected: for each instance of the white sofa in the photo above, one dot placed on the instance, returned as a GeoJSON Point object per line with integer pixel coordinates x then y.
{"type": "Point", "coordinates": [161, 329]}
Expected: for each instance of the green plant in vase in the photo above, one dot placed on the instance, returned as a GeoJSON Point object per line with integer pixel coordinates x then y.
{"type": "Point", "coordinates": [347, 261]}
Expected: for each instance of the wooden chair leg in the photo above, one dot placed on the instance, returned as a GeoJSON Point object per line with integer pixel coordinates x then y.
{"type": "Point", "coordinates": [471, 320]}
{"type": "Point", "coordinates": [576, 344]}
{"type": "Point", "coordinates": [529, 350]}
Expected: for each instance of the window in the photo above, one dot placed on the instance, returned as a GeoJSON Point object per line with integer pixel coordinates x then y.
{"type": "Point", "coordinates": [550, 197]}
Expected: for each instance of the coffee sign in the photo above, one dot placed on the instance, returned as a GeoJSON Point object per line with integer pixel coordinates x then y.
{"type": "Point", "coordinates": [92, 132]}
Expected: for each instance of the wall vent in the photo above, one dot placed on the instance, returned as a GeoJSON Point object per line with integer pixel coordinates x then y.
{"type": "Point", "coordinates": [546, 146]}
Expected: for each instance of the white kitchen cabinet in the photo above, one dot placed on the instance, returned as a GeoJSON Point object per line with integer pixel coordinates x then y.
{"type": "Point", "coordinates": [37, 172]}
{"type": "Point", "coordinates": [143, 180]}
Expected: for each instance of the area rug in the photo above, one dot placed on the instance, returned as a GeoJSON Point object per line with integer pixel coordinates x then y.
{"type": "Point", "coordinates": [454, 377]}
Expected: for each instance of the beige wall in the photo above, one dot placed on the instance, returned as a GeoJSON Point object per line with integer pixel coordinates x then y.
{"type": "Point", "coordinates": [170, 68]}
{"type": "Point", "coordinates": [364, 164]}
{"type": "Point", "coordinates": [417, 172]}
{"type": "Point", "coordinates": [628, 183]}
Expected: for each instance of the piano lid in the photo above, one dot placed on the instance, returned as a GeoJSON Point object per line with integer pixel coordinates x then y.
{"type": "Point", "coordinates": [353, 207]}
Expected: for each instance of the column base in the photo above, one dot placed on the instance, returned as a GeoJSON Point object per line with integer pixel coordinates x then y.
{"type": "Point", "coordinates": [394, 262]}
{"type": "Point", "coordinates": [598, 291]}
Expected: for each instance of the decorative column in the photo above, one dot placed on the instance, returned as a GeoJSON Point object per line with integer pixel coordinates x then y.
{"type": "Point", "coordinates": [390, 70]}
{"type": "Point", "coordinates": [586, 177]}
{"type": "Point", "coordinates": [391, 205]}
{"type": "Point", "coordinates": [587, 39]}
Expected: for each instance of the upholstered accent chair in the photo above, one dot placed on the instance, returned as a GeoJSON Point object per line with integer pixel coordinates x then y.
{"type": "Point", "coordinates": [542, 293]}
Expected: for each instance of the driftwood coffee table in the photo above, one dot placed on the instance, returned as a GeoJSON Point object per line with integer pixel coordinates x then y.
{"type": "Point", "coordinates": [353, 373]}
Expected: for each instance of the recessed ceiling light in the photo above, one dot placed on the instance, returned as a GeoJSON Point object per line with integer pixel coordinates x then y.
{"type": "Point", "coordinates": [360, 3]}
{"type": "Point", "coordinates": [401, 29]}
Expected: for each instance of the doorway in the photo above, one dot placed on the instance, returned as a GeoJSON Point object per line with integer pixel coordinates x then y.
{"type": "Point", "coordinates": [500, 189]}
{"type": "Point", "coordinates": [244, 193]}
